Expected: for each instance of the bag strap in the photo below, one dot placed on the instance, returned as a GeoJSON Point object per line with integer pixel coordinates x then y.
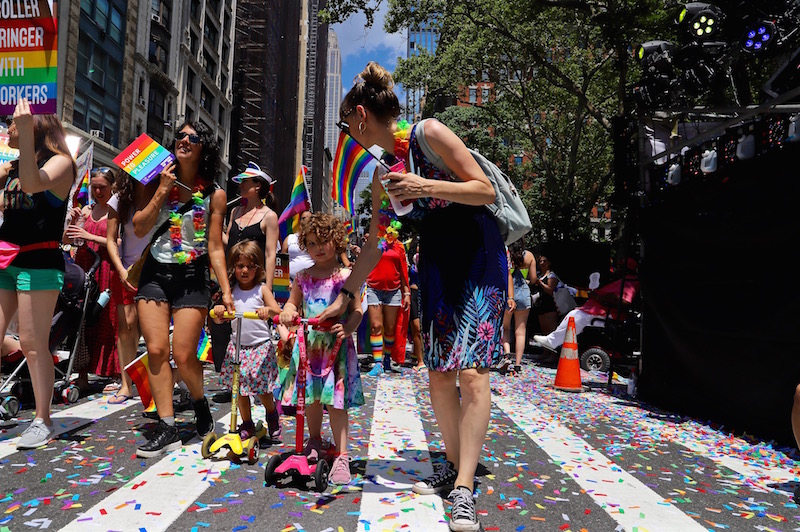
{"type": "Point", "coordinates": [38, 245]}
{"type": "Point", "coordinates": [182, 210]}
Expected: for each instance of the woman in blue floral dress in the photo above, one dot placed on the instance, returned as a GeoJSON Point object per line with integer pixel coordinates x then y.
{"type": "Point", "coordinates": [463, 273]}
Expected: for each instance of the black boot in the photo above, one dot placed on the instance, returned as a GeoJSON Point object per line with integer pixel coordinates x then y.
{"type": "Point", "coordinates": [202, 417]}
{"type": "Point", "coordinates": [165, 440]}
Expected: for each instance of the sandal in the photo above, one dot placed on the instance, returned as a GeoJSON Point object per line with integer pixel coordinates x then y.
{"type": "Point", "coordinates": [112, 387]}
{"type": "Point", "coordinates": [118, 399]}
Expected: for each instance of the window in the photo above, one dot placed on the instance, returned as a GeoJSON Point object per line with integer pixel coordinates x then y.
{"type": "Point", "coordinates": [86, 6]}
{"type": "Point", "coordinates": [97, 72]}
{"type": "Point", "coordinates": [194, 10]}
{"type": "Point", "coordinates": [211, 33]}
{"type": "Point", "coordinates": [225, 52]}
{"type": "Point", "coordinates": [95, 115]}
{"type": "Point", "coordinates": [115, 27]}
{"type": "Point", "coordinates": [473, 94]}
{"type": "Point", "coordinates": [84, 54]}
{"type": "Point", "coordinates": [211, 65]}
{"type": "Point", "coordinates": [79, 110]}
{"type": "Point", "coordinates": [113, 78]}
{"type": "Point", "coordinates": [485, 94]}
{"type": "Point", "coordinates": [101, 13]}
{"type": "Point", "coordinates": [190, 77]}
{"type": "Point", "coordinates": [193, 42]}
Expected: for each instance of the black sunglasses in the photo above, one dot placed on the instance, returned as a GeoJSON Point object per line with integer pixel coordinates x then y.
{"type": "Point", "coordinates": [194, 139]}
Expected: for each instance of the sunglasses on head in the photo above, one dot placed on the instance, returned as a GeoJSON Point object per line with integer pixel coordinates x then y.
{"type": "Point", "coordinates": [194, 139]}
{"type": "Point", "coordinates": [101, 170]}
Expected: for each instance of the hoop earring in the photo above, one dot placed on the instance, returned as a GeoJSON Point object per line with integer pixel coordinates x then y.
{"type": "Point", "coordinates": [361, 127]}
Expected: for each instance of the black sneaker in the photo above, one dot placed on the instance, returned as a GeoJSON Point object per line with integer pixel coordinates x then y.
{"type": "Point", "coordinates": [274, 425]}
{"type": "Point", "coordinates": [165, 440]}
{"type": "Point", "coordinates": [182, 403]}
{"type": "Point", "coordinates": [462, 513]}
{"type": "Point", "coordinates": [202, 417]}
{"type": "Point", "coordinates": [517, 369]}
{"type": "Point", "coordinates": [443, 476]}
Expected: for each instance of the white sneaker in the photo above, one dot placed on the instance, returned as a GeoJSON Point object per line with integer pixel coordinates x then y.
{"type": "Point", "coordinates": [542, 341]}
{"type": "Point", "coordinates": [36, 435]}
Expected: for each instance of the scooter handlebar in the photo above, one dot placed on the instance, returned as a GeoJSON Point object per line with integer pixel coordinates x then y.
{"type": "Point", "coordinates": [314, 322]}
{"type": "Point", "coordinates": [229, 316]}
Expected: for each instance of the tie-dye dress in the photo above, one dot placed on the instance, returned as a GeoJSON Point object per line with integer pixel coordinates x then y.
{"type": "Point", "coordinates": [463, 277]}
{"type": "Point", "coordinates": [340, 387]}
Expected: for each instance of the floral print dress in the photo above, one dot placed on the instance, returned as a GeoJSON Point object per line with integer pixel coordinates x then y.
{"type": "Point", "coordinates": [341, 386]}
{"type": "Point", "coordinates": [463, 278]}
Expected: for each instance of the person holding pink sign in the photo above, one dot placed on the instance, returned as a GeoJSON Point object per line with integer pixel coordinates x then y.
{"type": "Point", "coordinates": [34, 204]}
{"type": "Point", "coordinates": [174, 279]}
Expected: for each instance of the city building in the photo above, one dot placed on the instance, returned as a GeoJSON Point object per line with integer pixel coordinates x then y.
{"type": "Point", "coordinates": [334, 88]}
{"type": "Point", "coordinates": [314, 107]}
{"type": "Point", "coordinates": [422, 38]}
{"type": "Point", "coordinates": [264, 122]}
{"type": "Point", "coordinates": [95, 72]}
{"type": "Point", "coordinates": [132, 67]}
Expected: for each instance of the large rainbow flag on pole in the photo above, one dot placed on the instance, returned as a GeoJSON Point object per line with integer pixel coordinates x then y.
{"type": "Point", "coordinates": [349, 161]}
{"type": "Point", "coordinates": [298, 202]}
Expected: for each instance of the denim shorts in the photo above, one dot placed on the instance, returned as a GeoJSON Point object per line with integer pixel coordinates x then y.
{"type": "Point", "coordinates": [180, 285]}
{"type": "Point", "coordinates": [29, 279]}
{"type": "Point", "coordinates": [388, 298]}
{"type": "Point", "coordinates": [522, 296]}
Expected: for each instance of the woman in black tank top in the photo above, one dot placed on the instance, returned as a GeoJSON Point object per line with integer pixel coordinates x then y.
{"type": "Point", "coordinates": [34, 204]}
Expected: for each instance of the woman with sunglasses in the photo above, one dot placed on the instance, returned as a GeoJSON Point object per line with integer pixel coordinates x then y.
{"type": "Point", "coordinates": [174, 281]}
{"type": "Point", "coordinates": [99, 338]}
{"type": "Point", "coordinates": [34, 204]}
{"type": "Point", "coordinates": [463, 274]}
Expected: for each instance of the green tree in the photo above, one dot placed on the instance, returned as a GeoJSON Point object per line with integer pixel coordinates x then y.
{"type": "Point", "coordinates": [560, 70]}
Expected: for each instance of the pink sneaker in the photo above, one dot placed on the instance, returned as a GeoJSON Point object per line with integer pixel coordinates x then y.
{"type": "Point", "coordinates": [340, 471]}
{"type": "Point", "coordinates": [313, 449]}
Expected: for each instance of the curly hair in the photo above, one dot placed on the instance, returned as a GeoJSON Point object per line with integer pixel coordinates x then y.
{"type": "Point", "coordinates": [327, 228]}
{"type": "Point", "coordinates": [209, 163]}
{"type": "Point", "coordinates": [248, 250]}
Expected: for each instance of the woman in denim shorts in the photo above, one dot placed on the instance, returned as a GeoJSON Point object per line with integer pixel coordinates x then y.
{"type": "Point", "coordinates": [174, 280]}
{"type": "Point", "coordinates": [387, 291]}
{"type": "Point", "coordinates": [34, 204]}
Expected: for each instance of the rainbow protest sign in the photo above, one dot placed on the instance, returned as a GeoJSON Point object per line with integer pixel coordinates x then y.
{"type": "Point", "coordinates": [280, 283]}
{"type": "Point", "coordinates": [7, 153]}
{"type": "Point", "coordinates": [28, 55]}
{"type": "Point", "coordinates": [144, 159]}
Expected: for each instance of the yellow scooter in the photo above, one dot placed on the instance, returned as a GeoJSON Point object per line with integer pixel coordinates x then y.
{"type": "Point", "coordinates": [237, 449]}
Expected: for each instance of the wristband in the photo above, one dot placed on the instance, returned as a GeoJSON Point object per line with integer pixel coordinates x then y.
{"type": "Point", "coordinates": [347, 292]}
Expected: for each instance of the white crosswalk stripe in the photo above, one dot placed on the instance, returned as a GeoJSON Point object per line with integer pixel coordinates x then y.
{"type": "Point", "coordinates": [397, 447]}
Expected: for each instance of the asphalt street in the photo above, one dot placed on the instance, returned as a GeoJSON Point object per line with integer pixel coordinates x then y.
{"type": "Point", "coordinates": [552, 460]}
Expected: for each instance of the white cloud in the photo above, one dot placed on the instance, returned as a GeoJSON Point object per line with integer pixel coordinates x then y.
{"type": "Point", "coordinates": [355, 38]}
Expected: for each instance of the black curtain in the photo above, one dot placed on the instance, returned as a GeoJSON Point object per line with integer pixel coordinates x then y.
{"type": "Point", "coordinates": [720, 278]}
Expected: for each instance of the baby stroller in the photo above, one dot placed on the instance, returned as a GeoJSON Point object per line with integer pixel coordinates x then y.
{"type": "Point", "coordinates": [77, 304]}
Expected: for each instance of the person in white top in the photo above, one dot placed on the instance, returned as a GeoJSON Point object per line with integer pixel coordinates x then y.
{"type": "Point", "coordinates": [299, 259]}
{"type": "Point", "coordinates": [258, 368]}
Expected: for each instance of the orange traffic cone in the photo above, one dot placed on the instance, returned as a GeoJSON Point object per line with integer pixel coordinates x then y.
{"type": "Point", "coordinates": [568, 375]}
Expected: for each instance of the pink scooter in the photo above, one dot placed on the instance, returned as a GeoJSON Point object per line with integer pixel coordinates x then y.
{"type": "Point", "coordinates": [296, 464]}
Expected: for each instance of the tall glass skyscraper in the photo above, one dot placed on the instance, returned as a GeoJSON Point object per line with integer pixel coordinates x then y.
{"type": "Point", "coordinates": [424, 37]}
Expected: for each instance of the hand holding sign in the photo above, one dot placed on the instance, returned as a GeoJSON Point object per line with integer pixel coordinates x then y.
{"type": "Point", "coordinates": [145, 159]}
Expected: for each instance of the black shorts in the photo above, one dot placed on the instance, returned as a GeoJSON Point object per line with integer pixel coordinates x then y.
{"type": "Point", "coordinates": [414, 315]}
{"type": "Point", "coordinates": [180, 285]}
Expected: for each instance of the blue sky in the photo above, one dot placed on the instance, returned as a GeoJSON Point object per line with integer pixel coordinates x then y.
{"type": "Point", "coordinates": [360, 45]}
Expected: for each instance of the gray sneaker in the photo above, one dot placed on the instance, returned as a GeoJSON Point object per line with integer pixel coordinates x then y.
{"type": "Point", "coordinates": [462, 513]}
{"type": "Point", "coordinates": [36, 435]}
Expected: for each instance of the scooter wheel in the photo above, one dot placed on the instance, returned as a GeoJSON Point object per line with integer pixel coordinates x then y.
{"type": "Point", "coordinates": [208, 441]}
{"type": "Point", "coordinates": [72, 394]}
{"type": "Point", "coordinates": [321, 476]}
{"type": "Point", "coordinates": [252, 451]}
{"type": "Point", "coordinates": [269, 472]}
{"type": "Point", "coordinates": [11, 406]}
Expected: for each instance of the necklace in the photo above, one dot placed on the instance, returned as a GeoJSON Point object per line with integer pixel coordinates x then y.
{"type": "Point", "coordinates": [198, 223]}
{"type": "Point", "coordinates": [249, 220]}
{"type": "Point", "coordinates": [401, 137]}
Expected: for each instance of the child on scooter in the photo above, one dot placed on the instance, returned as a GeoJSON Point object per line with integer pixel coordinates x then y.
{"type": "Point", "coordinates": [339, 388]}
{"type": "Point", "coordinates": [258, 368]}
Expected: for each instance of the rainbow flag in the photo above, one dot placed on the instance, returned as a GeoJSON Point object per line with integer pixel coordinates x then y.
{"type": "Point", "coordinates": [349, 161]}
{"type": "Point", "coordinates": [348, 227]}
{"type": "Point", "coordinates": [138, 372]}
{"type": "Point", "coordinates": [298, 202]}
{"type": "Point", "coordinates": [204, 347]}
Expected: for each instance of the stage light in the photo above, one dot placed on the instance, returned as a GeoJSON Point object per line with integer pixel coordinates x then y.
{"type": "Point", "coordinates": [758, 36]}
{"type": "Point", "coordinates": [703, 21]}
{"type": "Point", "coordinates": [659, 85]}
{"type": "Point", "coordinates": [656, 56]}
